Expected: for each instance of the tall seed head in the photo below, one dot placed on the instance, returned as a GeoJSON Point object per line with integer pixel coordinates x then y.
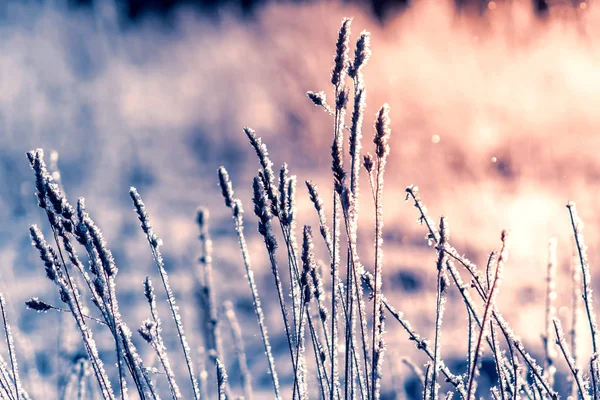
{"type": "Point", "coordinates": [264, 215]}
{"type": "Point", "coordinates": [368, 162]}
{"type": "Point", "coordinates": [36, 160]}
{"type": "Point", "coordinates": [340, 61]}
{"type": "Point", "coordinates": [362, 53]}
{"type": "Point", "coordinates": [318, 98]}
{"type": "Point", "coordinates": [382, 132]}
{"type": "Point", "coordinates": [37, 305]}
{"type": "Point", "coordinates": [226, 187]}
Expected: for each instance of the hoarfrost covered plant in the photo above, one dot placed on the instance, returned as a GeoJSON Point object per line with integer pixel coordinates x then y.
{"type": "Point", "coordinates": [343, 357]}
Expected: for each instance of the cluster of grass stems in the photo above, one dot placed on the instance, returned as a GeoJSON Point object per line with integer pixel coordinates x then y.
{"type": "Point", "coordinates": [335, 327]}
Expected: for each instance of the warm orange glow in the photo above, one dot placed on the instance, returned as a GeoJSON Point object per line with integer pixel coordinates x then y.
{"type": "Point", "coordinates": [492, 5]}
{"type": "Point", "coordinates": [583, 5]}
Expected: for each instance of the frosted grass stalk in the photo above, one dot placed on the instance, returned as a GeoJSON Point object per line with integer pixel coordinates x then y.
{"type": "Point", "coordinates": [62, 218]}
{"type": "Point", "coordinates": [282, 205]}
{"type": "Point", "coordinates": [30, 374]}
{"type": "Point", "coordinates": [238, 342]}
{"type": "Point", "coordinates": [489, 306]}
{"type": "Point", "coordinates": [312, 289]}
{"type": "Point", "coordinates": [512, 339]}
{"type": "Point", "coordinates": [74, 259]}
{"type": "Point", "coordinates": [155, 243]}
{"type": "Point", "coordinates": [151, 333]}
{"type": "Point", "coordinates": [495, 394]}
{"type": "Point", "coordinates": [506, 330]}
{"type": "Point", "coordinates": [103, 288]}
{"type": "Point", "coordinates": [211, 319]}
{"type": "Point", "coordinates": [593, 380]}
{"type": "Point", "coordinates": [317, 201]}
{"type": "Point", "coordinates": [287, 219]}
{"type": "Point", "coordinates": [221, 379]}
{"type": "Point", "coordinates": [517, 345]}
{"type": "Point", "coordinates": [354, 295]}
{"type": "Point", "coordinates": [10, 342]}
{"type": "Point", "coordinates": [268, 176]}
{"type": "Point", "coordinates": [442, 283]}
{"type": "Point", "coordinates": [6, 381]}
{"type": "Point", "coordinates": [361, 56]}
{"type": "Point", "coordinates": [335, 298]}
{"type": "Point", "coordinates": [238, 212]}
{"type": "Point", "coordinates": [327, 237]}
{"type": "Point", "coordinates": [338, 75]}
{"type": "Point", "coordinates": [290, 238]}
{"type": "Point", "coordinates": [426, 384]}
{"type": "Point", "coordinates": [49, 196]}
{"type": "Point", "coordinates": [382, 134]}
{"type": "Point", "coordinates": [53, 273]}
{"type": "Point", "coordinates": [594, 375]}
{"type": "Point", "coordinates": [264, 215]}
{"type": "Point", "coordinates": [368, 162]}
{"type": "Point", "coordinates": [105, 269]}
{"type": "Point", "coordinates": [320, 298]}
{"type": "Point", "coordinates": [575, 312]}
{"type": "Point", "coordinates": [549, 350]}
{"type": "Point", "coordinates": [420, 343]}
{"type": "Point", "coordinates": [326, 234]}
{"type": "Point", "coordinates": [474, 320]}
{"type": "Point", "coordinates": [470, 340]}
{"type": "Point", "coordinates": [472, 313]}
{"type": "Point", "coordinates": [71, 298]}
{"type": "Point", "coordinates": [320, 357]}
{"type": "Point", "coordinates": [323, 313]}
{"type": "Point", "coordinates": [138, 371]}
{"type": "Point", "coordinates": [498, 360]}
{"type": "Point", "coordinates": [319, 99]}
{"type": "Point", "coordinates": [212, 326]}
{"type": "Point", "coordinates": [412, 191]}
{"type": "Point", "coordinates": [587, 291]}
{"type": "Point", "coordinates": [300, 371]}
{"type": "Point", "coordinates": [489, 274]}
{"type": "Point", "coordinates": [561, 342]}
{"type": "Point", "coordinates": [350, 344]}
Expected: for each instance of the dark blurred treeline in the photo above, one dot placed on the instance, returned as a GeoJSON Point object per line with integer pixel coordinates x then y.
{"type": "Point", "coordinates": [134, 10]}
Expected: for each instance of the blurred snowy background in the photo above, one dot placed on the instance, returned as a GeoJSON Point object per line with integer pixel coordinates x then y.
{"type": "Point", "coordinates": [494, 117]}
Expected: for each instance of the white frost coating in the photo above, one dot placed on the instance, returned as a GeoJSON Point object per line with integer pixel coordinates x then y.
{"type": "Point", "coordinates": [10, 341]}
{"type": "Point", "coordinates": [239, 228]}
{"type": "Point", "coordinates": [151, 331]}
{"type": "Point", "coordinates": [236, 334]}
{"type": "Point", "coordinates": [382, 134]}
{"type": "Point", "coordinates": [354, 293]}
{"type": "Point", "coordinates": [576, 372]}
{"type": "Point", "coordinates": [549, 348]}
{"type": "Point", "coordinates": [588, 301]}
{"type": "Point", "coordinates": [155, 244]}
{"type": "Point", "coordinates": [72, 301]}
